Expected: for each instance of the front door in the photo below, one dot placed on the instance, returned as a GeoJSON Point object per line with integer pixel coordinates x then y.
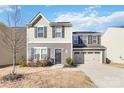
{"type": "Point", "coordinates": [57, 56]}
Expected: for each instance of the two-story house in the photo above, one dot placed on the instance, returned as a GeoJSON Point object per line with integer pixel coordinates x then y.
{"type": "Point", "coordinates": [48, 40]}
{"type": "Point", "coordinates": [87, 48]}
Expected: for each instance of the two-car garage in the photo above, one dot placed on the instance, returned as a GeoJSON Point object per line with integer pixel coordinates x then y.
{"type": "Point", "coordinates": [81, 56]}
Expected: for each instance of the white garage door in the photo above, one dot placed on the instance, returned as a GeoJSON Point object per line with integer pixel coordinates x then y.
{"type": "Point", "coordinates": [92, 58]}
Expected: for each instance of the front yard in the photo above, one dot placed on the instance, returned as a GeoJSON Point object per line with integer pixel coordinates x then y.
{"type": "Point", "coordinates": [48, 77]}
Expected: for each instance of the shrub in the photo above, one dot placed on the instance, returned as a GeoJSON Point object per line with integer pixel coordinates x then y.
{"type": "Point", "coordinates": [49, 63]}
{"type": "Point", "coordinates": [108, 61]}
{"type": "Point", "coordinates": [42, 63]}
{"type": "Point", "coordinates": [69, 61]}
{"type": "Point", "coordinates": [23, 62]}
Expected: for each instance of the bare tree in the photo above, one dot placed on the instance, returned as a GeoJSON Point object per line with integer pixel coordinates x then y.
{"type": "Point", "coordinates": [11, 38]}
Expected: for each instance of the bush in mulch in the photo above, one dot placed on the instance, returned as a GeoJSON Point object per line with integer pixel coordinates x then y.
{"type": "Point", "coordinates": [12, 77]}
{"type": "Point", "coordinates": [69, 63]}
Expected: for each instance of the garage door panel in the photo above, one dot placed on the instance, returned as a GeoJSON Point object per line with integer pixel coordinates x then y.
{"type": "Point", "coordinates": [78, 58]}
{"type": "Point", "coordinates": [92, 58]}
{"type": "Point", "coordinates": [87, 57]}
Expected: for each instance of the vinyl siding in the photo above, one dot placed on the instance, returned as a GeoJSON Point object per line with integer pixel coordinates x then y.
{"type": "Point", "coordinates": [66, 49]}
{"type": "Point", "coordinates": [31, 34]}
{"type": "Point", "coordinates": [113, 40]}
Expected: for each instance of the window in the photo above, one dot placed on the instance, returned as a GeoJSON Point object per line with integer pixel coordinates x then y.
{"type": "Point", "coordinates": [58, 31]}
{"type": "Point", "coordinates": [89, 39]}
{"type": "Point", "coordinates": [40, 31]}
{"type": "Point", "coordinates": [40, 53]}
{"type": "Point", "coordinates": [94, 39]}
{"type": "Point", "coordinates": [76, 52]}
{"type": "Point", "coordinates": [75, 39]}
{"type": "Point", "coordinates": [83, 52]}
{"type": "Point", "coordinates": [43, 54]}
{"type": "Point", "coordinates": [84, 38]}
{"type": "Point", "coordinates": [37, 54]}
{"type": "Point", "coordinates": [97, 52]}
{"type": "Point", "coordinates": [90, 52]}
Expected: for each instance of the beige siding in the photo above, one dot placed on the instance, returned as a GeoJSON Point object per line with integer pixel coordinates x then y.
{"type": "Point", "coordinates": [113, 40]}
{"type": "Point", "coordinates": [49, 39]}
{"type": "Point", "coordinates": [6, 56]}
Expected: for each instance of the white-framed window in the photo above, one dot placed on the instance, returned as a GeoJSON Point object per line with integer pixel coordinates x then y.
{"type": "Point", "coordinates": [58, 31]}
{"type": "Point", "coordinates": [40, 53]}
{"type": "Point", "coordinates": [44, 54]}
{"type": "Point", "coordinates": [40, 31]}
{"type": "Point", "coordinates": [75, 39]}
{"type": "Point", "coordinates": [94, 39]}
{"type": "Point", "coordinates": [36, 54]}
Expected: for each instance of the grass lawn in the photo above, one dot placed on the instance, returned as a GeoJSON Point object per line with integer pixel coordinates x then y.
{"type": "Point", "coordinates": [48, 77]}
{"type": "Point", "coordinates": [117, 65]}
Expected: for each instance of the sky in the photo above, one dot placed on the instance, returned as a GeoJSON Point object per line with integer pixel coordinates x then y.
{"type": "Point", "coordinates": [83, 17]}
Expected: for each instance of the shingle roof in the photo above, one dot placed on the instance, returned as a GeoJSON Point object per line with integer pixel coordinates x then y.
{"type": "Point", "coordinates": [67, 24]}
{"type": "Point", "coordinates": [86, 32]}
{"type": "Point", "coordinates": [90, 47]}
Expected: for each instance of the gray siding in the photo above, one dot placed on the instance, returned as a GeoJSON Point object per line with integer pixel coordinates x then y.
{"type": "Point", "coordinates": [89, 39]}
{"type": "Point", "coordinates": [66, 49]}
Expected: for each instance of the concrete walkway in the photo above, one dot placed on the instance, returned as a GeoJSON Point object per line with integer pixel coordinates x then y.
{"type": "Point", "coordinates": [104, 76]}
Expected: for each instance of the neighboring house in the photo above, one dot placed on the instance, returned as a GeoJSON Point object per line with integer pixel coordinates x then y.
{"type": "Point", "coordinates": [87, 48]}
{"type": "Point", "coordinates": [113, 40]}
{"type": "Point", "coordinates": [48, 40]}
{"type": "Point", "coordinates": [6, 55]}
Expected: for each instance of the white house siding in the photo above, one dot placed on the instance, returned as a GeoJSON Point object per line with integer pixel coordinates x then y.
{"type": "Point", "coordinates": [113, 39]}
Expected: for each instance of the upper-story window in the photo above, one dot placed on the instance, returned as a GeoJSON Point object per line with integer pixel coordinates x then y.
{"type": "Point", "coordinates": [75, 39]}
{"type": "Point", "coordinates": [89, 39]}
{"type": "Point", "coordinates": [85, 39]}
{"type": "Point", "coordinates": [58, 31]}
{"type": "Point", "coordinates": [94, 39]}
{"type": "Point", "coordinates": [41, 32]}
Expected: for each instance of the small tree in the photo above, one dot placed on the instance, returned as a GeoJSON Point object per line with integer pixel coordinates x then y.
{"type": "Point", "coordinates": [11, 38]}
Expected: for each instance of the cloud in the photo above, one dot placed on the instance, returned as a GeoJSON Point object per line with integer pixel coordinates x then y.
{"type": "Point", "coordinates": [7, 8]}
{"type": "Point", "coordinates": [4, 8]}
{"type": "Point", "coordinates": [90, 19]}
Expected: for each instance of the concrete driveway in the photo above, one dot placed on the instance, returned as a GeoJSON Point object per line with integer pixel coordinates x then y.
{"type": "Point", "coordinates": [104, 76]}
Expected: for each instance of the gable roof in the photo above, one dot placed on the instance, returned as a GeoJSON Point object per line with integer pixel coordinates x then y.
{"type": "Point", "coordinates": [37, 18]}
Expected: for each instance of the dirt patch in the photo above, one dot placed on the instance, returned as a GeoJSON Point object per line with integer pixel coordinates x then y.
{"type": "Point", "coordinates": [48, 78]}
